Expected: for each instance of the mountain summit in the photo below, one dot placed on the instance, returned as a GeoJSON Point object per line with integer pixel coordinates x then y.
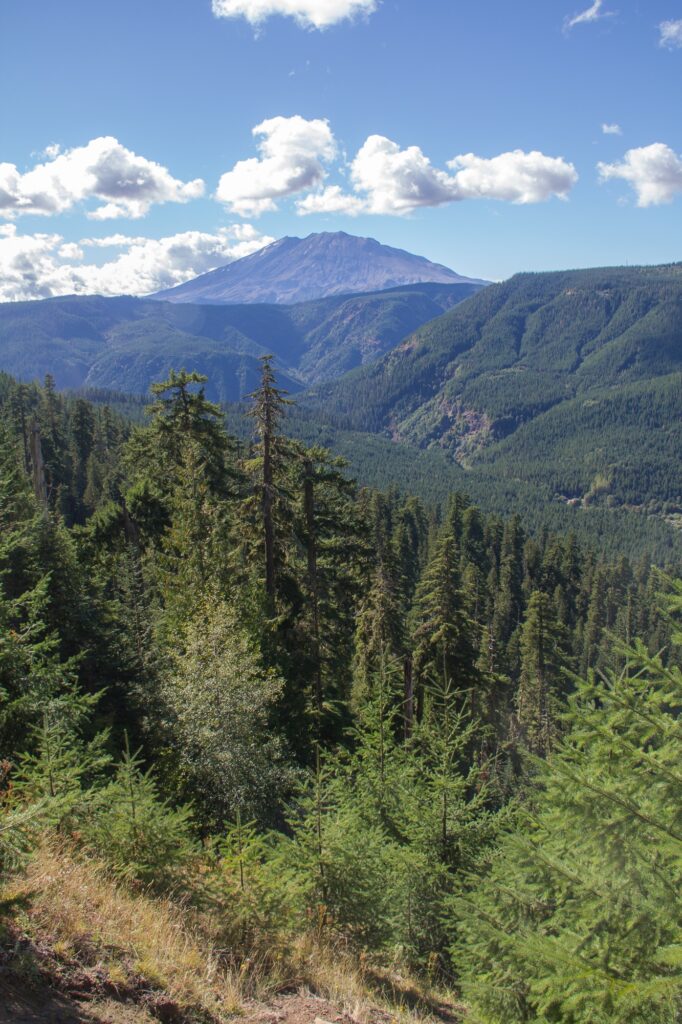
{"type": "Point", "coordinates": [298, 269]}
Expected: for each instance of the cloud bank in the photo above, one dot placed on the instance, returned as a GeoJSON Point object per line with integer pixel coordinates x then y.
{"type": "Point", "coordinates": [318, 14]}
{"type": "Point", "coordinates": [126, 184]}
{"type": "Point", "coordinates": [389, 180]}
{"type": "Point", "coordinates": [41, 265]}
{"type": "Point", "coordinates": [654, 172]}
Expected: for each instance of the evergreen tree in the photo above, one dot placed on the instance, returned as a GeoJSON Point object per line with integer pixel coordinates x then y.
{"type": "Point", "coordinates": [269, 466]}
{"type": "Point", "coordinates": [543, 656]}
{"type": "Point", "coordinates": [579, 916]}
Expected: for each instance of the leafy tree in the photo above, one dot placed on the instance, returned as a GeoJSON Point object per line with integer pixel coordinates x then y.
{"type": "Point", "coordinates": [220, 702]}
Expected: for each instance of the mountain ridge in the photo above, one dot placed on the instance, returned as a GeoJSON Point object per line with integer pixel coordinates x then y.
{"type": "Point", "coordinates": [583, 366]}
{"type": "Point", "coordinates": [293, 270]}
{"type": "Point", "coordinates": [127, 343]}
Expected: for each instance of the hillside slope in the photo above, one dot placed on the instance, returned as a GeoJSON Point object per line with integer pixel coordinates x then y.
{"type": "Point", "coordinates": [127, 343]}
{"type": "Point", "coordinates": [299, 269]}
{"type": "Point", "coordinates": [571, 378]}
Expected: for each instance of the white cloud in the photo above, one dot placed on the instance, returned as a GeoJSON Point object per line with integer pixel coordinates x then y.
{"type": "Point", "coordinates": [611, 129]}
{"type": "Point", "coordinates": [331, 200]}
{"type": "Point", "coordinates": [38, 266]}
{"type": "Point", "coordinates": [655, 173]}
{"type": "Point", "coordinates": [71, 251]}
{"type": "Point", "coordinates": [671, 34]}
{"type": "Point", "coordinates": [396, 180]}
{"type": "Point", "coordinates": [103, 169]}
{"type": "Point", "coordinates": [514, 177]}
{"type": "Point", "coordinates": [593, 13]}
{"type": "Point", "coordinates": [293, 151]}
{"type": "Point", "coordinates": [391, 180]}
{"type": "Point", "coordinates": [309, 13]}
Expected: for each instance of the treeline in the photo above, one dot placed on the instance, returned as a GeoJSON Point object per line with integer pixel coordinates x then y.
{"type": "Point", "coordinates": [359, 696]}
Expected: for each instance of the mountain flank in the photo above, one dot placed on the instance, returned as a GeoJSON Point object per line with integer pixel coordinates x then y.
{"type": "Point", "coordinates": [299, 269]}
{"type": "Point", "coordinates": [126, 343]}
{"type": "Point", "coordinates": [572, 380]}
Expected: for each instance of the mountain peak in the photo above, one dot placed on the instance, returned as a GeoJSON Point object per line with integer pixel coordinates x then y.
{"type": "Point", "coordinates": [300, 269]}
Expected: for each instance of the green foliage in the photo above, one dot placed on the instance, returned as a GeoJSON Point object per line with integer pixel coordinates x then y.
{"type": "Point", "coordinates": [349, 687]}
{"type": "Point", "coordinates": [382, 832]}
{"type": "Point", "coordinates": [220, 702]}
{"type": "Point", "coordinates": [139, 834]}
{"type": "Point", "coordinates": [578, 917]}
{"type": "Point", "coordinates": [127, 344]}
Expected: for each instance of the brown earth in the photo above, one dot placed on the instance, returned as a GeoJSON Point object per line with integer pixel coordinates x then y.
{"type": "Point", "coordinates": [24, 1003]}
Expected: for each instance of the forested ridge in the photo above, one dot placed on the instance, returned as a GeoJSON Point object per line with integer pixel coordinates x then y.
{"type": "Point", "coordinates": [568, 381]}
{"type": "Point", "coordinates": [230, 677]}
{"type": "Point", "coordinates": [127, 343]}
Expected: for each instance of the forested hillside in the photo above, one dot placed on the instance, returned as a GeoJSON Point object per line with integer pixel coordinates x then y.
{"type": "Point", "coordinates": [127, 343]}
{"type": "Point", "coordinates": [571, 381]}
{"type": "Point", "coordinates": [231, 678]}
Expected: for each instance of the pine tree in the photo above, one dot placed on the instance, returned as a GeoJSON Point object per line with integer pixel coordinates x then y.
{"type": "Point", "coordinates": [443, 635]}
{"type": "Point", "coordinates": [543, 657]}
{"type": "Point", "coordinates": [268, 405]}
{"type": "Point", "coordinates": [578, 916]}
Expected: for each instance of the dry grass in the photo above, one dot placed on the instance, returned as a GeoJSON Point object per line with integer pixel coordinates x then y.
{"type": "Point", "coordinates": [138, 943]}
{"type": "Point", "coordinates": [131, 939]}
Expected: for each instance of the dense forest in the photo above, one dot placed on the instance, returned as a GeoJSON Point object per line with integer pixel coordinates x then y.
{"type": "Point", "coordinates": [563, 385]}
{"type": "Point", "coordinates": [127, 343]}
{"type": "Point", "coordinates": [241, 682]}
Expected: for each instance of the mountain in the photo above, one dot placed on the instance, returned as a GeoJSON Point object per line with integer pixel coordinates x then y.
{"type": "Point", "coordinates": [299, 269]}
{"type": "Point", "coordinates": [569, 381]}
{"type": "Point", "coordinates": [127, 343]}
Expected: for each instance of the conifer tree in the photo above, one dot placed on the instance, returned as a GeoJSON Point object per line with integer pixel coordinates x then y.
{"type": "Point", "coordinates": [443, 635]}
{"type": "Point", "coordinates": [543, 657]}
{"type": "Point", "coordinates": [578, 915]}
{"type": "Point", "coordinates": [268, 405]}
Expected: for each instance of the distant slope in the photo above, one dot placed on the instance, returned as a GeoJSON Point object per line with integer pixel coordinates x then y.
{"type": "Point", "coordinates": [299, 269]}
{"type": "Point", "coordinates": [569, 380]}
{"type": "Point", "coordinates": [126, 343]}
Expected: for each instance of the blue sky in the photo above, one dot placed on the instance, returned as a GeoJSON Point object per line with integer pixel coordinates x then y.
{"type": "Point", "coordinates": [359, 121]}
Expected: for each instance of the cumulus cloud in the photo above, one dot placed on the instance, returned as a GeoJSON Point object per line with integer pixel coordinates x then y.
{"type": "Point", "coordinates": [41, 265]}
{"type": "Point", "coordinates": [670, 34]}
{"type": "Point", "coordinates": [127, 184]}
{"type": "Point", "coordinates": [390, 180]}
{"type": "Point", "coordinates": [396, 180]}
{"type": "Point", "coordinates": [331, 200]}
{"type": "Point", "coordinates": [293, 151]}
{"type": "Point", "coordinates": [654, 172]}
{"type": "Point", "coordinates": [611, 129]}
{"type": "Point", "coordinates": [309, 13]}
{"type": "Point", "coordinates": [593, 13]}
{"type": "Point", "coordinates": [514, 177]}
